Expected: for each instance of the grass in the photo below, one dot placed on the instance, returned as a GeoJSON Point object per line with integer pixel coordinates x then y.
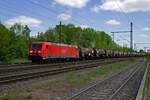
{"type": "Point", "coordinates": [20, 61]}
{"type": "Point", "coordinates": [16, 95]}
{"type": "Point", "coordinates": [11, 96]}
{"type": "Point", "coordinates": [99, 72]}
{"type": "Point", "coordinates": [147, 84]}
{"type": "Point", "coordinates": [17, 61]}
{"type": "Point", "coordinates": [69, 80]}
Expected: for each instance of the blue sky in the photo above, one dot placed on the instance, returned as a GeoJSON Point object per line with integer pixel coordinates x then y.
{"type": "Point", "coordinates": [103, 15]}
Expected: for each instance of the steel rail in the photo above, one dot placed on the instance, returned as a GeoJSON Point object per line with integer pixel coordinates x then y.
{"type": "Point", "coordinates": [19, 68]}
{"type": "Point", "coordinates": [117, 91]}
{"type": "Point", "coordinates": [24, 76]}
{"type": "Point", "coordinates": [100, 82]}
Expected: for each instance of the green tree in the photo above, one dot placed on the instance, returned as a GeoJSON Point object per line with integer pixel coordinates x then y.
{"type": "Point", "coordinates": [20, 29]}
{"type": "Point", "coordinates": [7, 44]}
{"type": "Point", "coordinates": [17, 29]}
{"type": "Point", "coordinates": [87, 37]}
{"type": "Point", "coordinates": [21, 47]}
{"type": "Point", "coordinates": [21, 39]}
{"type": "Point", "coordinates": [26, 31]}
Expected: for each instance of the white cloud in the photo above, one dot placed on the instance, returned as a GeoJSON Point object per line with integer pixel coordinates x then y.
{"type": "Point", "coordinates": [112, 22]}
{"type": "Point", "coordinates": [95, 9]}
{"type": "Point", "coordinates": [125, 5]}
{"type": "Point", "coordinates": [64, 16]}
{"type": "Point", "coordinates": [146, 29]}
{"type": "Point", "coordinates": [25, 20]}
{"type": "Point", "coordinates": [72, 3]}
{"type": "Point", "coordinates": [83, 26]}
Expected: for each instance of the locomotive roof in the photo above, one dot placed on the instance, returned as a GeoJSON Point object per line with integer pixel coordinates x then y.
{"type": "Point", "coordinates": [38, 42]}
{"type": "Point", "coordinates": [59, 44]}
{"type": "Point", "coordinates": [62, 44]}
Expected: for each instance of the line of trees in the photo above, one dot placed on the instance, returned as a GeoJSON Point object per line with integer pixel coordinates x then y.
{"type": "Point", "coordinates": [15, 41]}
{"type": "Point", "coordinates": [85, 37]}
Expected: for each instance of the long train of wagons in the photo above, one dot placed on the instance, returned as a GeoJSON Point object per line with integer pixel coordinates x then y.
{"type": "Point", "coordinates": [46, 51]}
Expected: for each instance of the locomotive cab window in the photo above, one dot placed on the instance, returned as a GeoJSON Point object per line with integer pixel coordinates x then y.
{"type": "Point", "coordinates": [36, 46]}
{"type": "Point", "coordinates": [46, 46]}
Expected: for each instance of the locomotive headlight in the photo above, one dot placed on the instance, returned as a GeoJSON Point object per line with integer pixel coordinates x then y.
{"type": "Point", "coordinates": [31, 51]}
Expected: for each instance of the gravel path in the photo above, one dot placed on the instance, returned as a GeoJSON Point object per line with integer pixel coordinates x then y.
{"type": "Point", "coordinates": [103, 90]}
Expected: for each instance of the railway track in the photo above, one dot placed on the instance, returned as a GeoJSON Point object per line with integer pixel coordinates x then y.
{"type": "Point", "coordinates": [30, 74]}
{"type": "Point", "coordinates": [9, 66]}
{"type": "Point", "coordinates": [5, 70]}
{"type": "Point", "coordinates": [121, 86]}
{"type": "Point", "coordinates": [13, 68]}
{"type": "Point", "coordinates": [129, 89]}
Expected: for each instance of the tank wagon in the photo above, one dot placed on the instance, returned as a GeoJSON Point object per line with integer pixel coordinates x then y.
{"type": "Point", "coordinates": [41, 51]}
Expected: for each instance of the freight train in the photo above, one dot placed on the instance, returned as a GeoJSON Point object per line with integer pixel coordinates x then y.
{"type": "Point", "coordinates": [49, 51]}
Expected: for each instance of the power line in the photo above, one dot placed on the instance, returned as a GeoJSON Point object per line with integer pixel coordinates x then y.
{"type": "Point", "coordinates": [131, 34]}
{"type": "Point", "coordinates": [54, 11]}
{"type": "Point", "coordinates": [124, 39]}
{"type": "Point", "coordinates": [15, 11]}
{"type": "Point", "coordinates": [44, 7]}
{"type": "Point", "coordinates": [122, 10]}
{"type": "Point", "coordinates": [124, 13]}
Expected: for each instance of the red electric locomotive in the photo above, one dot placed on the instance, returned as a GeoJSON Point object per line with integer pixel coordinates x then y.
{"type": "Point", "coordinates": [40, 51]}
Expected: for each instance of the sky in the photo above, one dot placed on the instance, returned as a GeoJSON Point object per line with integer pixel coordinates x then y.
{"type": "Point", "coordinates": [102, 15]}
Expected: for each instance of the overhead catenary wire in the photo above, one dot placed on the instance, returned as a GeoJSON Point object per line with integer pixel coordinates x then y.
{"type": "Point", "coordinates": [83, 19]}
{"type": "Point", "coordinates": [53, 11]}
{"type": "Point", "coordinates": [124, 39]}
{"type": "Point", "coordinates": [126, 16]}
{"type": "Point", "coordinates": [14, 11]}
{"type": "Point", "coordinates": [131, 24]}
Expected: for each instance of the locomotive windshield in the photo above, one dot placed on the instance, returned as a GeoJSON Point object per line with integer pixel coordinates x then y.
{"type": "Point", "coordinates": [36, 46]}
